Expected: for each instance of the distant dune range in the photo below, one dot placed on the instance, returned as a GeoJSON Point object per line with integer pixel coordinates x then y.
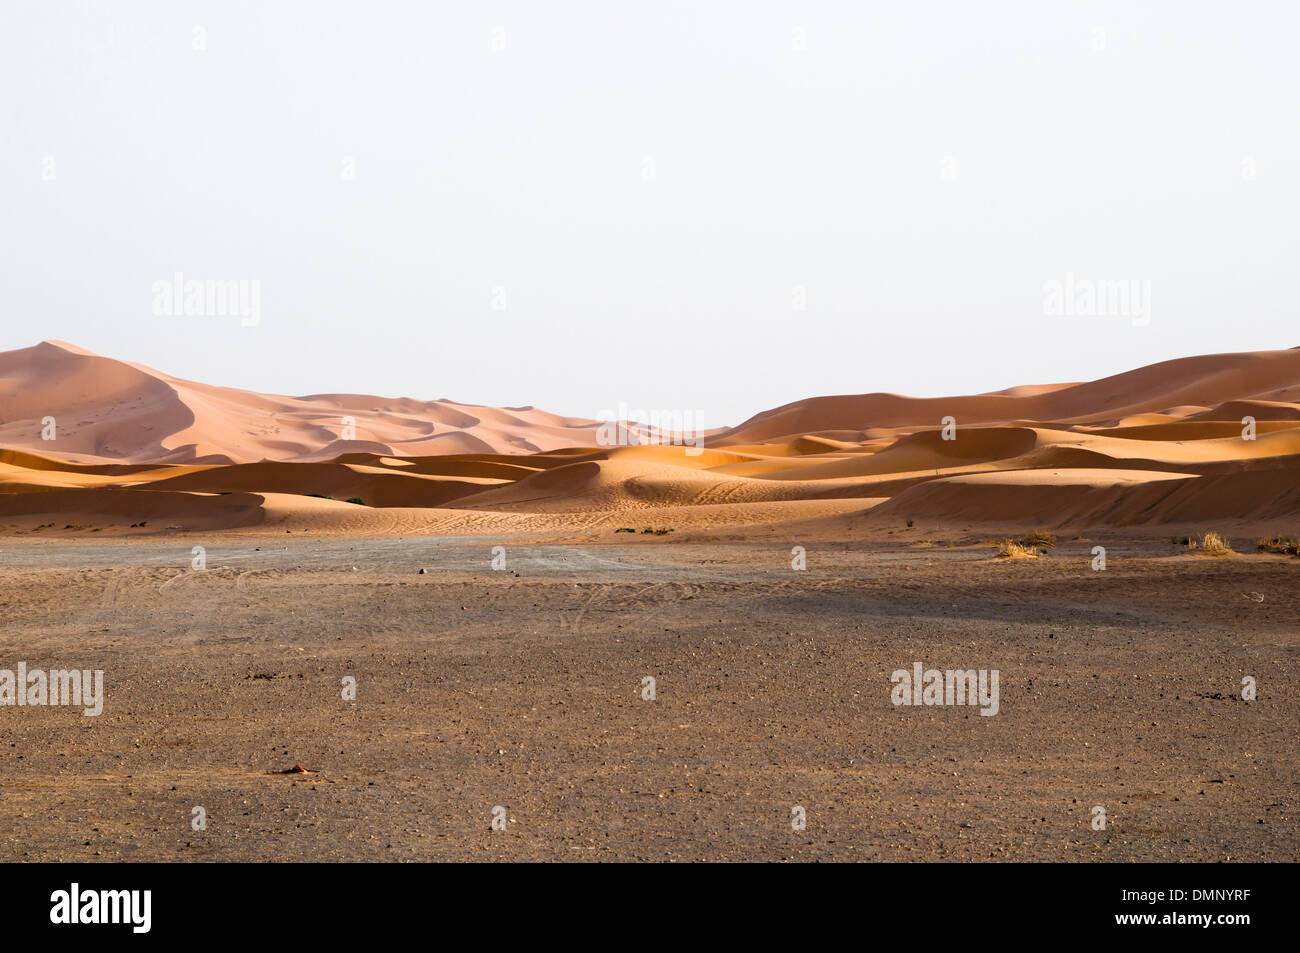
{"type": "Point", "coordinates": [1146, 449]}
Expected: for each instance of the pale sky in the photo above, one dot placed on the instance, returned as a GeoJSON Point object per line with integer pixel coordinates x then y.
{"type": "Point", "coordinates": [650, 190]}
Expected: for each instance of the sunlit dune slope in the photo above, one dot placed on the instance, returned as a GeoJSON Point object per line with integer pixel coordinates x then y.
{"type": "Point", "coordinates": [1201, 440]}
{"type": "Point", "coordinates": [110, 410]}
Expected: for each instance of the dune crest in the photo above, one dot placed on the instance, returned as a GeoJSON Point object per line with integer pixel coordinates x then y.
{"type": "Point", "coordinates": [110, 410]}
{"type": "Point", "coordinates": [1208, 438]}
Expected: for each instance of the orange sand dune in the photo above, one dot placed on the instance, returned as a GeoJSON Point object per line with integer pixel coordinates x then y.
{"type": "Point", "coordinates": [1099, 498]}
{"type": "Point", "coordinates": [1208, 381]}
{"type": "Point", "coordinates": [98, 509]}
{"type": "Point", "coordinates": [109, 410]}
{"type": "Point", "coordinates": [139, 452]}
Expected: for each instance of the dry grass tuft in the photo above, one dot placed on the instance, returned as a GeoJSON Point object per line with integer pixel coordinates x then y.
{"type": "Point", "coordinates": [1038, 540]}
{"type": "Point", "coordinates": [1011, 549]}
{"type": "Point", "coordinates": [1212, 544]}
{"type": "Point", "coordinates": [1286, 545]}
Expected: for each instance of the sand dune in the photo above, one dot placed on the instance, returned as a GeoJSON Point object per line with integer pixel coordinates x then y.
{"type": "Point", "coordinates": [1160, 445]}
{"type": "Point", "coordinates": [1115, 498]}
{"type": "Point", "coordinates": [109, 410]}
{"type": "Point", "coordinates": [1206, 381]}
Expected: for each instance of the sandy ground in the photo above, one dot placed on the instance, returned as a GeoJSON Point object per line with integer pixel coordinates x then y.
{"type": "Point", "coordinates": [523, 688]}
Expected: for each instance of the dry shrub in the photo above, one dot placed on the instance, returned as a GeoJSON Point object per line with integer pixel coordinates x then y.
{"type": "Point", "coordinates": [1212, 544]}
{"type": "Point", "coordinates": [1286, 545]}
{"type": "Point", "coordinates": [1038, 540]}
{"type": "Point", "coordinates": [1012, 549]}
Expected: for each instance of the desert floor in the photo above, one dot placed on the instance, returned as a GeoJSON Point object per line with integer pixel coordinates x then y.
{"type": "Point", "coordinates": [522, 688]}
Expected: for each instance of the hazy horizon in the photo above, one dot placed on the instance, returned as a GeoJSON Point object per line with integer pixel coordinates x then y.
{"type": "Point", "coordinates": [601, 413]}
